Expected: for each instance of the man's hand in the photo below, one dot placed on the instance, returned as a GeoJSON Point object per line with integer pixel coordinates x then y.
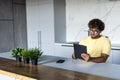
{"type": "Point", "coordinates": [86, 57]}
{"type": "Point", "coordinates": [73, 56]}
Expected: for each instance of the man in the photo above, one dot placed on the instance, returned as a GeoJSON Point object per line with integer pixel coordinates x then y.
{"type": "Point", "coordinates": [98, 46]}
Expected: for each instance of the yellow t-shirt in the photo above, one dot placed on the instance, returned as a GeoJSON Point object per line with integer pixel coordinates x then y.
{"type": "Point", "coordinates": [97, 46]}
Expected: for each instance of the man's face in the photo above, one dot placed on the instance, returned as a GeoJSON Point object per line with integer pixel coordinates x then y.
{"type": "Point", "coordinates": [94, 33]}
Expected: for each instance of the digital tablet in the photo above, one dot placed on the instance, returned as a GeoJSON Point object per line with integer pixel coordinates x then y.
{"type": "Point", "coordinates": [78, 50]}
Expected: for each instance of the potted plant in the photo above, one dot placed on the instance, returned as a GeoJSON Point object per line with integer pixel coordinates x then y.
{"type": "Point", "coordinates": [26, 56]}
{"type": "Point", "coordinates": [16, 52]}
{"type": "Point", "coordinates": [35, 53]}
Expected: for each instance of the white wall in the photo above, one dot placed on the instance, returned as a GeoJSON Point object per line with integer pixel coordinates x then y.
{"type": "Point", "coordinates": [79, 12]}
{"type": "Point", "coordinates": [40, 18]}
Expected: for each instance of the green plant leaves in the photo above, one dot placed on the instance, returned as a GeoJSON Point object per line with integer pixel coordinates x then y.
{"type": "Point", "coordinates": [16, 52]}
{"type": "Point", "coordinates": [25, 53]}
{"type": "Point", "coordinates": [33, 53]}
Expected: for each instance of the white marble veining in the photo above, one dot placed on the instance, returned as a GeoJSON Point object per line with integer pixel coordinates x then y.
{"type": "Point", "coordinates": [4, 77]}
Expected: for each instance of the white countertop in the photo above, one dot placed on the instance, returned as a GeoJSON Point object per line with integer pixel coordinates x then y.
{"type": "Point", "coordinates": [115, 46]}
{"type": "Point", "coordinates": [100, 69]}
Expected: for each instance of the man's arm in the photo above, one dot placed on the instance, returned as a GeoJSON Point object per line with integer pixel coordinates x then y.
{"type": "Point", "coordinates": [100, 59]}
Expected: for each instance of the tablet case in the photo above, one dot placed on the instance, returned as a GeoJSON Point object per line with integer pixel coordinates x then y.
{"type": "Point", "coordinates": [78, 50]}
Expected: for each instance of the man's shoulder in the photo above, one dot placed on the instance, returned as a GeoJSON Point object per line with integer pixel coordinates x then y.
{"type": "Point", "coordinates": [104, 37]}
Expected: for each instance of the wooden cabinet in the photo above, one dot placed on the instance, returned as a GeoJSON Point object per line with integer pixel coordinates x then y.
{"type": "Point", "coordinates": [13, 29]}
